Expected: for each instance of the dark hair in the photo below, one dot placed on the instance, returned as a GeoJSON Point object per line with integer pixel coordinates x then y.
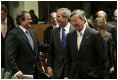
{"type": "Point", "coordinates": [3, 8]}
{"type": "Point", "coordinates": [31, 11]}
{"type": "Point", "coordinates": [20, 17]}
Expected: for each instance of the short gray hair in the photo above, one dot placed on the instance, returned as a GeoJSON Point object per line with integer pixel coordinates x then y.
{"type": "Point", "coordinates": [81, 14]}
{"type": "Point", "coordinates": [65, 12]}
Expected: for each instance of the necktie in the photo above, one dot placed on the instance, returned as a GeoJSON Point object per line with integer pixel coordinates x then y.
{"type": "Point", "coordinates": [79, 39]}
{"type": "Point", "coordinates": [63, 38]}
{"type": "Point", "coordinates": [30, 39]}
{"type": "Point", "coordinates": [4, 29]}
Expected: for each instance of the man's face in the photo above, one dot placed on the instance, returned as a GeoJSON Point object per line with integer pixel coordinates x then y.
{"type": "Point", "coordinates": [61, 20]}
{"type": "Point", "coordinates": [77, 22]}
{"type": "Point", "coordinates": [27, 22]}
{"type": "Point", "coordinates": [3, 16]}
{"type": "Point", "coordinates": [53, 19]}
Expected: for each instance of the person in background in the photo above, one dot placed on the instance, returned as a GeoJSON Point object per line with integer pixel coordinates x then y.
{"type": "Point", "coordinates": [53, 25]}
{"type": "Point", "coordinates": [7, 24]}
{"type": "Point", "coordinates": [21, 48]}
{"type": "Point", "coordinates": [114, 34]}
{"type": "Point", "coordinates": [57, 50]}
{"type": "Point", "coordinates": [85, 57]}
{"type": "Point", "coordinates": [33, 17]}
{"type": "Point", "coordinates": [115, 15]}
{"type": "Point", "coordinates": [108, 26]}
{"type": "Point", "coordinates": [47, 32]}
{"type": "Point", "coordinates": [108, 40]}
{"type": "Point", "coordinates": [90, 23]}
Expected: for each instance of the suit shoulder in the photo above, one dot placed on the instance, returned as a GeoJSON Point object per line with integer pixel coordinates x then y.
{"type": "Point", "coordinates": [13, 30]}
{"type": "Point", "coordinates": [49, 28]}
{"type": "Point", "coordinates": [56, 29]}
{"type": "Point", "coordinates": [93, 31]}
{"type": "Point", "coordinates": [72, 33]}
{"type": "Point", "coordinates": [110, 25]}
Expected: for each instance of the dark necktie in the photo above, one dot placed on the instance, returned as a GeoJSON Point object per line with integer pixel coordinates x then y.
{"type": "Point", "coordinates": [30, 39]}
{"type": "Point", "coordinates": [63, 38]}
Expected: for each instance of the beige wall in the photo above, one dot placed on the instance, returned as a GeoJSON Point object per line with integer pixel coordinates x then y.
{"type": "Point", "coordinates": [28, 5]}
{"type": "Point", "coordinates": [22, 5]}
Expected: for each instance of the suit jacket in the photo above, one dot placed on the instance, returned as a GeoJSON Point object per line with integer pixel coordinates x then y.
{"type": "Point", "coordinates": [19, 54]}
{"type": "Point", "coordinates": [10, 26]}
{"type": "Point", "coordinates": [109, 53]}
{"type": "Point", "coordinates": [47, 32]}
{"type": "Point", "coordinates": [109, 27]}
{"type": "Point", "coordinates": [88, 61]}
{"type": "Point", "coordinates": [56, 55]}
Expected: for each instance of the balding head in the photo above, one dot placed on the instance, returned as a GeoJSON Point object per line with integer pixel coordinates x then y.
{"type": "Point", "coordinates": [102, 14]}
{"type": "Point", "coordinates": [115, 15]}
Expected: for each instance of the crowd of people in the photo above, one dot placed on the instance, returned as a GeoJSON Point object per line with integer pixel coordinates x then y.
{"type": "Point", "coordinates": [75, 47]}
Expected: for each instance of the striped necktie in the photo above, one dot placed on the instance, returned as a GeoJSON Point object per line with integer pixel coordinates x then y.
{"type": "Point", "coordinates": [30, 39]}
{"type": "Point", "coordinates": [63, 38]}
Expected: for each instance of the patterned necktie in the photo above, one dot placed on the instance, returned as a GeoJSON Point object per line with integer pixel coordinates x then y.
{"type": "Point", "coordinates": [79, 39]}
{"type": "Point", "coordinates": [30, 39]}
{"type": "Point", "coordinates": [63, 38]}
{"type": "Point", "coordinates": [4, 29]}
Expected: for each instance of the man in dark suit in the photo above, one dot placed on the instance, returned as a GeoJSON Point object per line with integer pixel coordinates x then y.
{"type": "Point", "coordinates": [7, 24]}
{"type": "Point", "coordinates": [57, 51]}
{"type": "Point", "coordinates": [85, 52]}
{"type": "Point", "coordinates": [22, 48]}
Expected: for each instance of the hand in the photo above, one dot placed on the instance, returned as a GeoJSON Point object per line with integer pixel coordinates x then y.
{"type": "Point", "coordinates": [111, 69]}
{"type": "Point", "coordinates": [19, 74]}
{"type": "Point", "coordinates": [66, 78]}
{"type": "Point", "coordinates": [50, 71]}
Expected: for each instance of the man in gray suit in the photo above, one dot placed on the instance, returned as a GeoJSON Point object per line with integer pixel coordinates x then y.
{"type": "Point", "coordinates": [85, 50]}
{"type": "Point", "coordinates": [57, 51]}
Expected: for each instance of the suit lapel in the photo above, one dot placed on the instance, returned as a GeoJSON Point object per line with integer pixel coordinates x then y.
{"type": "Point", "coordinates": [74, 40]}
{"type": "Point", "coordinates": [24, 37]}
{"type": "Point", "coordinates": [58, 37]}
{"type": "Point", "coordinates": [85, 37]}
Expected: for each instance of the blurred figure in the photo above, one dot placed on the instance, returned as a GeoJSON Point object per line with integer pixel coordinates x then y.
{"type": "Point", "coordinates": [108, 26]}
{"type": "Point", "coordinates": [85, 57]}
{"type": "Point", "coordinates": [90, 23]}
{"type": "Point", "coordinates": [57, 50]}
{"type": "Point", "coordinates": [114, 34]}
{"type": "Point", "coordinates": [53, 25]}
{"type": "Point", "coordinates": [7, 24]}
{"type": "Point", "coordinates": [22, 48]}
{"type": "Point", "coordinates": [107, 37]}
{"type": "Point", "coordinates": [115, 15]}
{"type": "Point", "coordinates": [47, 32]}
{"type": "Point", "coordinates": [33, 17]}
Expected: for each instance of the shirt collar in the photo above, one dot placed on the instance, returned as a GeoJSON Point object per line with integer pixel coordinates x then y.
{"type": "Point", "coordinates": [23, 29]}
{"type": "Point", "coordinates": [83, 30]}
{"type": "Point", "coordinates": [67, 27]}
